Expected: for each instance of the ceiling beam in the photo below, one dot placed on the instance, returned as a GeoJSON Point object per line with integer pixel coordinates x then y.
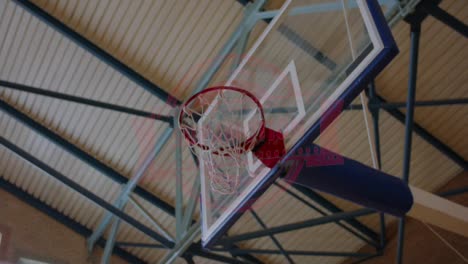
{"type": "Point", "coordinates": [432, 8]}
{"type": "Point", "coordinates": [296, 226]}
{"type": "Point", "coordinates": [84, 101]}
{"type": "Point", "coordinates": [428, 137]}
{"type": "Point", "coordinates": [82, 155]}
{"type": "Point", "coordinates": [99, 52]}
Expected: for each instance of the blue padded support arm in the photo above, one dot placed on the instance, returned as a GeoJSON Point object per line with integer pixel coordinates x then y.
{"type": "Point", "coordinates": [329, 172]}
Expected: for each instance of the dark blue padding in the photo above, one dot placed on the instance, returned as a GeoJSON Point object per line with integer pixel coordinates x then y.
{"type": "Point", "coordinates": [356, 182]}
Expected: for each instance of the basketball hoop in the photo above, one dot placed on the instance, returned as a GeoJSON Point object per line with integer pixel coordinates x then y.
{"type": "Point", "coordinates": [221, 124]}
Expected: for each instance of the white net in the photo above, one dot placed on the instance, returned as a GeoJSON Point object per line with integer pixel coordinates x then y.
{"type": "Point", "coordinates": [220, 125]}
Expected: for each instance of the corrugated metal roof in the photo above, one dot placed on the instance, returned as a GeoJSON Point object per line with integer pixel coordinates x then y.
{"type": "Point", "coordinates": [163, 40]}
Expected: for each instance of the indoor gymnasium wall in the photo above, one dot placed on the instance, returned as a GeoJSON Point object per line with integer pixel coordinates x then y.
{"type": "Point", "coordinates": [28, 233]}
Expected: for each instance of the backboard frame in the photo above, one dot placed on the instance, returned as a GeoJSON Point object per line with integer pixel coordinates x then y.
{"type": "Point", "coordinates": [388, 50]}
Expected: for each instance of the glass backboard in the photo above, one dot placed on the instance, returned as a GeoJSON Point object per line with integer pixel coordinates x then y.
{"type": "Point", "coordinates": [311, 59]}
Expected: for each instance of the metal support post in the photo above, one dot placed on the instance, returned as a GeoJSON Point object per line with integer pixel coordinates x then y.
{"type": "Point", "coordinates": [179, 195]}
{"type": "Point", "coordinates": [241, 43]}
{"type": "Point", "coordinates": [111, 241]}
{"type": "Point", "coordinates": [128, 188]}
{"type": "Point", "coordinates": [185, 242]}
{"type": "Point", "coordinates": [411, 98]}
{"type": "Point", "coordinates": [383, 233]}
{"type": "Point", "coordinates": [240, 48]}
{"type": "Point", "coordinates": [91, 240]}
{"type": "Point", "coordinates": [151, 219]}
{"type": "Point", "coordinates": [375, 114]}
{"type": "Point", "coordinates": [188, 213]}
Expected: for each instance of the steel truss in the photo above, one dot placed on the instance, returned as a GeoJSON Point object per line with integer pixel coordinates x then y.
{"type": "Point", "coordinates": [85, 101]}
{"type": "Point", "coordinates": [181, 244]}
